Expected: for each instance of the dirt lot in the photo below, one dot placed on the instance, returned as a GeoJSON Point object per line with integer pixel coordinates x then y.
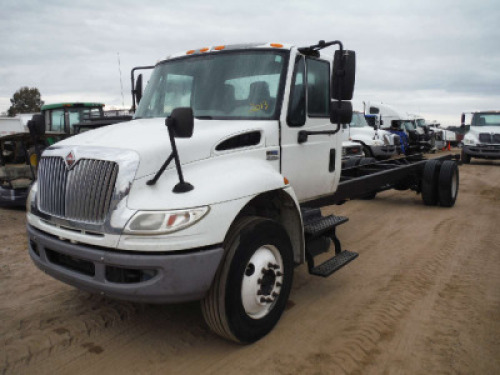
{"type": "Point", "coordinates": [422, 298]}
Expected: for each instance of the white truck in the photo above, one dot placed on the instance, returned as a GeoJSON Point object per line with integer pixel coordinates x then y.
{"type": "Point", "coordinates": [236, 204]}
{"type": "Point", "coordinates": [376, 143]}
{"type": "Point", "coordinates": [482, 139]}
{"type": "Point", "coordinates": [416, 137]}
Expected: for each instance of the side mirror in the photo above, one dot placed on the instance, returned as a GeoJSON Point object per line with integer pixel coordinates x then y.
{"type": "Point", "coordinates": [462, 119]}
{"type": "Point", "coordinates": [343, 76]}
{"type": "Point", "coordinates": [36, 125]}
{"type": "Point", "coordinates": [138, 89]}
{"type": "Point", "coordinates": [340, 112]}
{"type": "Point", "coordinates": [181, 122]}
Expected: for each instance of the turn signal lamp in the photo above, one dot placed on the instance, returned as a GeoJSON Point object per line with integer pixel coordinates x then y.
{"type": "Point", "coordinates": [204, 49]}
{"type": "Point", "coordinates": [276, 45]}
{"type": "Point", "coordinates": [285, 180]}
{"type": "Point", "coordinates": [219, 48]}
{"type": "Point", "coordinates": [190, 52]}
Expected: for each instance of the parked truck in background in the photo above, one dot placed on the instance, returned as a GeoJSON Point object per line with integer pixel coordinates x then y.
{"type": "Point", "coordinates": [220, 200]}
{"type": "Point", "coordinates": [376, 143]}
{"type": "Point", "coordinates": [20, 148]}
{"type": "Point", "coordinates": [482, 137]}
{"type": "Point", "coordinates": [414, 138]}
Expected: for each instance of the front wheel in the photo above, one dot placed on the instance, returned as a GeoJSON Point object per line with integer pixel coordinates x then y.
{"type": "Point", "coordinates": [251, 287]}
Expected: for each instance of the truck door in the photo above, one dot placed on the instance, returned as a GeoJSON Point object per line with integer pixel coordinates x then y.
{"type": "Point", "coordinates": [312, 167]}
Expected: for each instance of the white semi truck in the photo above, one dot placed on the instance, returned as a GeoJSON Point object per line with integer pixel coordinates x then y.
{"type": "Point", "coordinates": [482, 139]}
{"type": "Point", "coordinates": [250, 159]}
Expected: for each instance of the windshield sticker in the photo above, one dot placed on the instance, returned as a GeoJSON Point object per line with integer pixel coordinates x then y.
{"type": "Point", "coordinates": [262, 106]}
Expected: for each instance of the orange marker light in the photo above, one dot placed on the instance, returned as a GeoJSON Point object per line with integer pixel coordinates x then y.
{"type": "Point", "coordinates": [190, 52]}
{"type": "Point", "coordinates": [276, 45]}
{"type": "Point", "coordinates": [219, 48]}
{"type": "Point", "coordinates": [204, 49]}
{"type": "Point", "coordinates": [285, 180]}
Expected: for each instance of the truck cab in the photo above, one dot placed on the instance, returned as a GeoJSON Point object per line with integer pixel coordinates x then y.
{"type": "Point", "coordinates": [482, 139]}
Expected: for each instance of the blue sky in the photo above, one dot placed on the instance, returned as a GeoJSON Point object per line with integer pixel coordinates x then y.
{"type": "Point", "coordinates": [428, 57]}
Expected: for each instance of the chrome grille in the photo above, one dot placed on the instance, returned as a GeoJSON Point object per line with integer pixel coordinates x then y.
{"type": "Point", "coordinates": [83, 193]}
{"type": "Point", "coordinates": [496, 138]}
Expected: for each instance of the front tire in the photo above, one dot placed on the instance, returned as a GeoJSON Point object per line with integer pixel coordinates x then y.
{"type": "Point", "coordinates": [252, 285]}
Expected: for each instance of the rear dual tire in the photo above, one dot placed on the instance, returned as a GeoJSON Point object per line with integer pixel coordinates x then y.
{"type": "Point", "coordinates": [440, 183]}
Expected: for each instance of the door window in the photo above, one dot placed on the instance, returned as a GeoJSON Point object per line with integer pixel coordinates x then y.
{"type": "Point", "coordinates": [318, 88]}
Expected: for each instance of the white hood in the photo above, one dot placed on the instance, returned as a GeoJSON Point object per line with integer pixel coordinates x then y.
{"type": "Point", "coordinates": [149, 138]}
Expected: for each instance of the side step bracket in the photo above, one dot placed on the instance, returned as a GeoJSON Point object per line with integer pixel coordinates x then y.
{"type": "Point", "coordinates": [319, 233]}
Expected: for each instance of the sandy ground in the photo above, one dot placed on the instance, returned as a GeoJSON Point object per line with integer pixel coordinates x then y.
{"type": "Point", "coordinates": [422, 298]}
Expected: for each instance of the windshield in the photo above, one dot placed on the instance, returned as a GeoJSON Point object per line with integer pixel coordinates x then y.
{"type": "Point", "coordinates": [486, 119]}
{"type": "Point", "coordinates": [420, 122]}
{"type": "Point", "coordinates": [358, 120]}
{"type": "Point", "coordinates": [409, 125]}
{"type": "Point", "coordinates": [243, 85]}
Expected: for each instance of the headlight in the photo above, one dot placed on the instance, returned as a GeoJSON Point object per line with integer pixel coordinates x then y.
{"type": "Point", "coordinates": [160, 222]}
{"type": "Point", "coordinates": [30, 202]}
{"type": "Point", "coordinates": [469, 141]}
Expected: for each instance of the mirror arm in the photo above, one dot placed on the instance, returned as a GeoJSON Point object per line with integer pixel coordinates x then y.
{"type": "Point", "coordinates": [313, 50]}
{"type": "Point", "coordinates": [182, 186]}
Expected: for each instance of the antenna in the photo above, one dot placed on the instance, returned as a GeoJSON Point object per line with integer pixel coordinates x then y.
{"type": "Point", "coordinates": [121, 84]}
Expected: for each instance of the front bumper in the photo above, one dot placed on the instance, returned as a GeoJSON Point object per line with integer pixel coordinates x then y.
{"type": "Point", "coordinates": [483, 151]}
{"type": "Point", "coordinates": [383, 151]}
{"type": "Point", "coordinates": [13, 197]}
{"type": "Point", "coordinates": [131, 276]}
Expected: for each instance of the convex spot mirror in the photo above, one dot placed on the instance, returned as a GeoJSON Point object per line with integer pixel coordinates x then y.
{"type": "Point", "coordinates": [181, 122]}
{"type": "Point", "coordinates": [36, 125]}
{"type": "Point", "coordinates": [343, 77]}
{"type": "Point", "coordinates": [340, 112]}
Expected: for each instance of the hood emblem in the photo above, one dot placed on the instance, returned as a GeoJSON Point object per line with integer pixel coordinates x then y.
{"type": "Point", "coordinates": [70, 160]}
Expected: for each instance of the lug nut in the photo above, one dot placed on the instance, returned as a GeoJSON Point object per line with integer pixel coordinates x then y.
{"type": "Point", "coordinates": [259, 292]}
{"type": "Point", "coordinates": [259, 281]}
{"type": "Point", "coordinates": [278, 273]}
{"type": "Point", "coordinates": [263, 300]}
{"type": "Point", "coordinates": [275, 294]}
{"type": "Point", "coordinates": [278, 284]}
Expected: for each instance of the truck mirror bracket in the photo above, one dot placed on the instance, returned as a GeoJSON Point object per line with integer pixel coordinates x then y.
{"type": "Point", "coordinates": [182, 186]}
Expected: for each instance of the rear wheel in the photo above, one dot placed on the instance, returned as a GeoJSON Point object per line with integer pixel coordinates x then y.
{"type": "Point", "coordinates": [448, 183]}
{"type": "Point", "coordinates": [430, 182]}
{"type": "Point", "coordinates": [252, 285]}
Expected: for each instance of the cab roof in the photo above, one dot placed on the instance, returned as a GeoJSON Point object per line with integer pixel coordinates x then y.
{"type": "Point", "coordinates": [70, 104]}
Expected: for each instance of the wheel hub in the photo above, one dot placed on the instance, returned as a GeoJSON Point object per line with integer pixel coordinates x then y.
{"type": "Point", "coordinates": [262, 281]}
